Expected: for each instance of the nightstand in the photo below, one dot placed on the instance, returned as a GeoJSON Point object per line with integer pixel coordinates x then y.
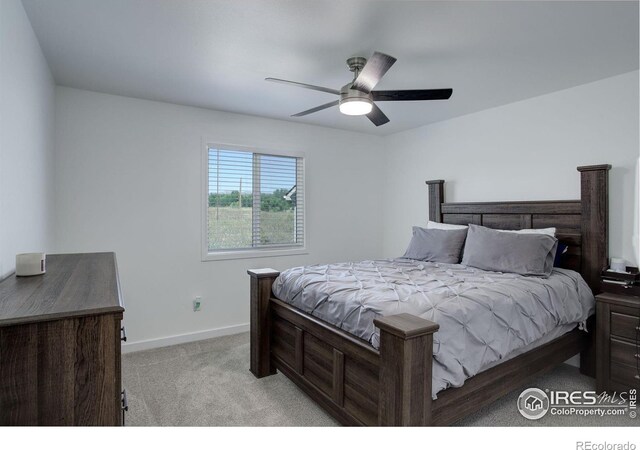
{"type": "Point", "coordinates": [617, 347]}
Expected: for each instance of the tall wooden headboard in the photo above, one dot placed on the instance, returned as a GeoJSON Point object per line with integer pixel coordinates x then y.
{"type": "Point", "coordinates": [581, 224]}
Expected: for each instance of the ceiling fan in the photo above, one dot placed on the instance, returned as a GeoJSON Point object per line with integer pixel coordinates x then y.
{"type": "Point", "coordinates": [357, 97]}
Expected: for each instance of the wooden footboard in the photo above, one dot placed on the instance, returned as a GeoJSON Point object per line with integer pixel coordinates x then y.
{"type": "Point", "coordinates": [339, 371]}
{"type": "Point", "coordinates": [359, 385]}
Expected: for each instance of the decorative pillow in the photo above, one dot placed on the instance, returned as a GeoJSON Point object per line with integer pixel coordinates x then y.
{"type": "Point", "coordinates": [560, 254]}
{"type": "Point", "coordinates": [522, 253]}
{"type": "Point", "coordinates": [436, 245]}
{"type": "Point", "coordinates": [548, 231]}
{"type": "Point", "coordinates": [444, 226]}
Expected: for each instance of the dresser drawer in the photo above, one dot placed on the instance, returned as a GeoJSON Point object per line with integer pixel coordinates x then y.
{"type": "Point", "coordinates": [626, 375]}
{"type": "Point", "coordinates": [624, 353]}
{"type": "Point", "coordinates": [624, 325]}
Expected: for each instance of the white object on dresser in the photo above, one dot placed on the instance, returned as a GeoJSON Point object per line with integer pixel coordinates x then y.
{"type": "Point", "coordinates": [28, 264]}
{"type": "Point", "coordinates": [618, 265]}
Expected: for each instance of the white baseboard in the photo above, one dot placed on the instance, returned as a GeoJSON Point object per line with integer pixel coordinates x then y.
{"type": "Point", "coordinates": [148, 344]}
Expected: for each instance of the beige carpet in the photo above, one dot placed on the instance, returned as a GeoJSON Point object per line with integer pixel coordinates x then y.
{"type": "Point", "coordinates": [208, 383]}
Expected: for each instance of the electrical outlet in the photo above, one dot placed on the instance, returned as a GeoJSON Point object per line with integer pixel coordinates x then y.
{"type": "Point", "coordinates": [196, 304]}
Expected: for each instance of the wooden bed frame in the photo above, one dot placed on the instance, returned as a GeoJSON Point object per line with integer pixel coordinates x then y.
{"type": "Point", "coordinates": [359, 385]}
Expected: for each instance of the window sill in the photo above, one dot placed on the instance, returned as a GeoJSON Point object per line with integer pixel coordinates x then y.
{"type": "Point", "coordinates": [247, 254]}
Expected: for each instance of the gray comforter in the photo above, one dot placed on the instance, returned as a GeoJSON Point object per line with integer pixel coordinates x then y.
{"type": "Point", "coordinates": [483, 316]}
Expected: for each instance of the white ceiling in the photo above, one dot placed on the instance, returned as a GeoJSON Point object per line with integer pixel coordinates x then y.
{"type": "Point", "coordinates": [216, 53]}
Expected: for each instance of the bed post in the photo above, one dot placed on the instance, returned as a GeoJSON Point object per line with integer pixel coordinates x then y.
{"type": "Point", "coordinates": [261, 282]}
{"type": "Point", "coordinates": [406, 358]}
{"type": "Point", "coordinates": [436, 199]}
{"type": "Point", "coordinates": [594, 197]}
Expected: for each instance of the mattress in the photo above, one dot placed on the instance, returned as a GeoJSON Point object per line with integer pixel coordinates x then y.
{"type": "Point", "coordinates": [484, 317]}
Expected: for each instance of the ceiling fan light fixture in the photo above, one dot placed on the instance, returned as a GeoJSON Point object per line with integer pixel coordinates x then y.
{"type": "Point", "coordinates": [357, 97]}
{"type": "Point", "coordinates": [356, 106]}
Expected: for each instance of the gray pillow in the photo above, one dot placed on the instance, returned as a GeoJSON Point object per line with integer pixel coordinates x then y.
{"type": "Point", "coordinates": [526, 254]}
{"type": "Point", "coordinates": [436, 245]}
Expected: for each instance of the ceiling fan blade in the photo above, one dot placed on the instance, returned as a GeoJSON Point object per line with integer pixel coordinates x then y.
{"type": "Point", "coordinates": [373, 71]}
{"type": "Point", "coordinates": [304, 85]}
{"type": "Point", "coordinates": [377, 116]}
{"type": "Point", "coordinates": [317, 108]}
{"type": "Point", "coordinates": [413, 94]}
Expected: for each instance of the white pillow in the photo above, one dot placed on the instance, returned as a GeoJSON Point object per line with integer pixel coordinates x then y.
{"type": "Point", "coordinates": [444, 226]}
{"type": "Point", "coordinates": [548, 231]}
{"type": "Point", "coordinates": [447, 226]}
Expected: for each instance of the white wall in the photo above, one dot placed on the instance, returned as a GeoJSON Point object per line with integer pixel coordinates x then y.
{"type": "Point", "coordinates": [26, 139]}
{"type": "Point", "coordinates": [128, 180]}
{"type": "Point", "coordinates": [527, 150]}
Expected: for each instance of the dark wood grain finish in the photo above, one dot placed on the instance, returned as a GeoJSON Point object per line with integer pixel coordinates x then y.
{"type": "Point", "coordinates": [260, 328]}
{"type": "Point", "coordinates": [594, 186]}
{"type": "Point", "coordinates": [625, 375]}
{"type": "Point", "coordinates": [299, 350]}
{"type": "Point", "coordinates": [359, 385]}
{"type": "Point", "coordinates": [338, 377]}
{"type": "Point", "coordinates": [436, 197]}
{"type": "Point", "coordinates": [283, 342]}
{"type": "Point", "coordinates": [97, 400]}
{"type": "Point", "coordinates": [624, 323]}
{"type": "Point", "coordinates": [507, 221]}
{"type": "Point", "coordinates": [486, 387]}
{"type": "Point", "coordinates": [19, 375]}
{"type": "Point", "coordinates": [565, 223]}
{"type": "Point", "coordinates": [623, 352]}
{"type": "Point", "coordinates": [628, 303]}
{"type": "Point", "coordinates": [406, 326]}
{"type": "Point", "coordinates": [319, 364]}
{"type": "Point", "coordinates": [341, 414]}
{"type": "Point", "coordinates": [79, 284]}
{"type": "Point", "coordinates": [339, 371]}
{"type": "Point", "coordinates": [406, 356]}
{"type": "Point", "coordinates": [56, 388]}
{"type": "Point", "coordinates": [602, 345]}
{"type": "Point", "coordinates": [461, 219]}
{"type": "Point", "coordinates": [530, 207]}
{"type": "Point", "coordinates": [331, 335]}
{"type": "Point", "coordinates": [64, 367]}
{"type": "Point", "coordinates": [618, 356]}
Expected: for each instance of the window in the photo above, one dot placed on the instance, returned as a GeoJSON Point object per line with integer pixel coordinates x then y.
{"type": "Point", "coordinates": [254, 202]}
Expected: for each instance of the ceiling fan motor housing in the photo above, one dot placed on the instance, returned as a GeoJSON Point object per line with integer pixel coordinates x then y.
{"type": "Point", "coordinates": [347, 95]}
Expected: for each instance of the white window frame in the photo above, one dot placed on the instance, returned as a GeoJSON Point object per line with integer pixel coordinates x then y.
{"type": "Point", "coordinates": [253, 252]}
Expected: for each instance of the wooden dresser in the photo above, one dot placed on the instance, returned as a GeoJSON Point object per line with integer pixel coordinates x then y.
{"type": "Point", "coordinates": [617, 346]}
{"type": "Point", "coordinates": [60, 337]}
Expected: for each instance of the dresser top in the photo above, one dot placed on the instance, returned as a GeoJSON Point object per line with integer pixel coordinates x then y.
{"type": "Point", "coordinates": [619, 299]}
{"type": "Point", "coordinates": [75, 285]}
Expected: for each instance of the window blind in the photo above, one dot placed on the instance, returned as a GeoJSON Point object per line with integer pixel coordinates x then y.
{"type": "Point", "coordinates": [255, 200]}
